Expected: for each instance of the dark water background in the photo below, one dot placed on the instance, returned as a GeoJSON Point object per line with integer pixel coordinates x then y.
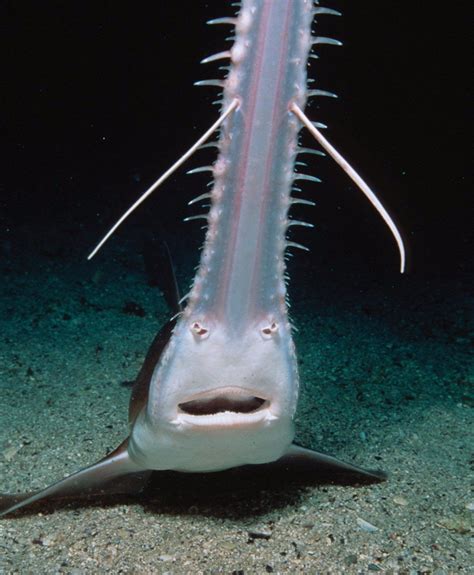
{"type": "Point", "coordinates": [98, 101]}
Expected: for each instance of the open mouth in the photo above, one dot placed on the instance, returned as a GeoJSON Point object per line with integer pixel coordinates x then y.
{"type": "Point", "coordinates": [224, 400]}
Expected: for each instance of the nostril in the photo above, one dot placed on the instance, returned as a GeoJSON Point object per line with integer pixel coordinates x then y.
{"type": "Point", "coordinates": [221, 403]}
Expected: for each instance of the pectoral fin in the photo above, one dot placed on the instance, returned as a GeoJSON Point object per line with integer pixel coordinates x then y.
{"type": "Point", "coordinates": [328, 467]}
{"type": "Point", "coordinates": [115, 473]}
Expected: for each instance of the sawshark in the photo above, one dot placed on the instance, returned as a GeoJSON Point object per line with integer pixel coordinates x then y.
{"type": "Point", "coordinates": [219, 385]}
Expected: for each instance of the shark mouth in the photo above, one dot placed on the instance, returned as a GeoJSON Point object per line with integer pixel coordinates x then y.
{"type": "Point", "coordinates": [224, 400]}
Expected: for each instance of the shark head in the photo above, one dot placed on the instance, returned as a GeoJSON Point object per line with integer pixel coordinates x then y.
{"type": "Point", "coordinates": [219, 399]}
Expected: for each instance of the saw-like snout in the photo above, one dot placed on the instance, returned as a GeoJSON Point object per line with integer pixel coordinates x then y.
{"type": "Point", "coordinates": [221, 400]}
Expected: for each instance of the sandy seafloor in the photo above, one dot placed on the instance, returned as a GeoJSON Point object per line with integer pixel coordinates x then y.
{"type": "Point", "coordinates": [386, 375]}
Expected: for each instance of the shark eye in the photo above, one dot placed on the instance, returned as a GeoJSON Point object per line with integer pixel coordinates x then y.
{"type": "Point", "coordinates": [269, 330]}
{"type": "Point", "coordinates": [199, 330]}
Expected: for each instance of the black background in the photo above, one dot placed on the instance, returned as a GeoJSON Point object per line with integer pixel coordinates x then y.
{"type": "Point", "coordinates": [97, 101]}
